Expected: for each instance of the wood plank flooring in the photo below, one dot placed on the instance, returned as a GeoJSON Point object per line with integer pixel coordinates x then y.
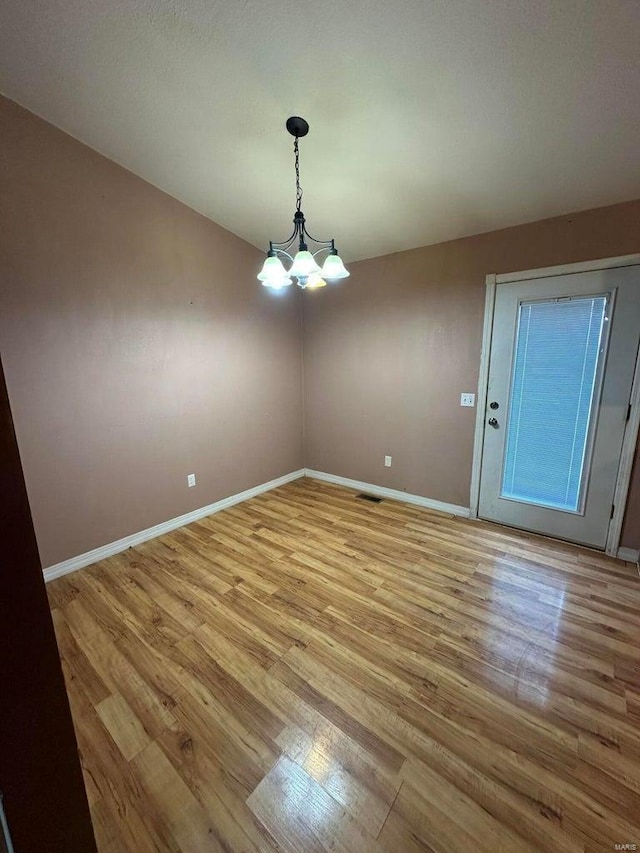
{"type": "Point", "coordinates": [308, 671]}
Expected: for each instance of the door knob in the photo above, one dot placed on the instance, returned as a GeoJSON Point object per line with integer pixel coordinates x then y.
{"type": "Point", "coordinates": [493, 422]}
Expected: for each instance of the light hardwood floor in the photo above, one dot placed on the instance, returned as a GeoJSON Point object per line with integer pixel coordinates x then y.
{"type": "Point", "coordinates": [311, 672]}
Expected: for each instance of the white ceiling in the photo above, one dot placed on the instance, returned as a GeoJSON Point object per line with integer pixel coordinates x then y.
{"type": "Point", "coordinates": [430, 119]}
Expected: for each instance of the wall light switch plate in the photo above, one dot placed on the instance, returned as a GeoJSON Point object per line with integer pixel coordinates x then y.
{"type": "Point", "coordinates": [191, 480]}
{"type": "Point", "coordinates": [387, 462]}
{"type": "Point", "coordinates": [467, 399]}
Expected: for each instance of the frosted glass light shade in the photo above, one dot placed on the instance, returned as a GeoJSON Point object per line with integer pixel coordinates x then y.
{"type": "Point", "coordinates": [272, 271]}
{"type": "Point", "coordinates": [333, 268]}
{"type": "Point", "coordinates": [304, 265]}
{"type": "Point", "coordinates": [315, 280]}
{"type": "Point", "coordinates": [278, 284]}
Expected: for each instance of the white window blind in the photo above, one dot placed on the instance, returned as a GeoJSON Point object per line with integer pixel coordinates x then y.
{"type": "Point", "coordinates": [554, 387]}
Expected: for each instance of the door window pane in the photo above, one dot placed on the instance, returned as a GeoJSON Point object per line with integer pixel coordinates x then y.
{"type": "Point", "coordinates": [554, 390]}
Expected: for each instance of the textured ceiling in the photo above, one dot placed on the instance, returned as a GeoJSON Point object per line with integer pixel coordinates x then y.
{"type": "Point", "coordinates": [430, 119]}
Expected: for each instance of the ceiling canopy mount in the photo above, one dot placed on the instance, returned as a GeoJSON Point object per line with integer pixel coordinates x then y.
{"type": "Point", "coordinates": [297, 126]}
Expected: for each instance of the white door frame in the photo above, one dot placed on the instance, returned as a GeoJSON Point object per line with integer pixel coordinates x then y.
{"type": "Point", "coordinates": [633, 424]}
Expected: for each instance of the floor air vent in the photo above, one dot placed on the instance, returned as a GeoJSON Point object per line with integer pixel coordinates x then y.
{"type": "Point", "coordinates": [372, 498]}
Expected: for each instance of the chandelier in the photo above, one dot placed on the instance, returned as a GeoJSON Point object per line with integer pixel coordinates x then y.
{"type": "Point", "coordinates": [303, 265]}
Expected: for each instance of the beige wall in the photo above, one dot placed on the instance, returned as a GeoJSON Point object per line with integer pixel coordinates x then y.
{"type": "Point", "coordinates": [138, 346]}
{"type": "Point", "coordinates": [388, 352]}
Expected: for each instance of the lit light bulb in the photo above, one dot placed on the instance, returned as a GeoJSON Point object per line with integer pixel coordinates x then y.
{"type": "Point", "coordinates": [279, 283]}
{"type": "Point", "coordinates": [315, 280]}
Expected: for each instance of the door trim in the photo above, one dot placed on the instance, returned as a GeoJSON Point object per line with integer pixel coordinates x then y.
{"type": "Point", "coordinates": [633, 424]}
{"type": "Point", "coordinates": [626, 464]}
{"type": "Point", "coordinates": [569, 269]}
{"type": "Point", "coordinates": [483, 381]}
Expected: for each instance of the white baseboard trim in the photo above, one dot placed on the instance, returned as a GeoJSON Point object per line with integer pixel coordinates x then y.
{"type": "Point", "coordinates": [628, 554]}
{"type": "Point", "coordinates": [112, 548]}
{"type": "Point", "coordinates": [393, 494]}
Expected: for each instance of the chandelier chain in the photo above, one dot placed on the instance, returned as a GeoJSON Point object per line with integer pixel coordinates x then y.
{"type": "Point", "coordinates": [298, 187]}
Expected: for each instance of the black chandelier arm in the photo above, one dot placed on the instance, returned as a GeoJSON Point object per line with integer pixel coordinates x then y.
{"type": "Point", "coordinates": [300, 233]}
{"type": "Point", "coordinates": [282, 247]}
{"type": "Point", "coordinates": [284, 253]}
{"type": "Point", "coordinates": [284, 244]}
{"type": "Point", "coordinates": [305, 233]}
{"type": "Point", "coordinates": [328, 243]}
{"type": "Point", "coordinates": [324, 245]}
{"type": "Point", "coordinates": [322, 249]}
{"type": "Point", "coordinates": [273, 246]}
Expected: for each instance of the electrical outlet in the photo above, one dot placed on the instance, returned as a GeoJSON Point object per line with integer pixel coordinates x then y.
{"type": "Point", "coordinates": [191, 480]}
{"type": "Point", "coordinates": [387, 462]}
{"type": "Point", "coordinates": [467, 399]}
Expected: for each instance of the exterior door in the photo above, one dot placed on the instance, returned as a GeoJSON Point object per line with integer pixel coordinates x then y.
{"type": "Point", "coordinates": [562, 359]}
